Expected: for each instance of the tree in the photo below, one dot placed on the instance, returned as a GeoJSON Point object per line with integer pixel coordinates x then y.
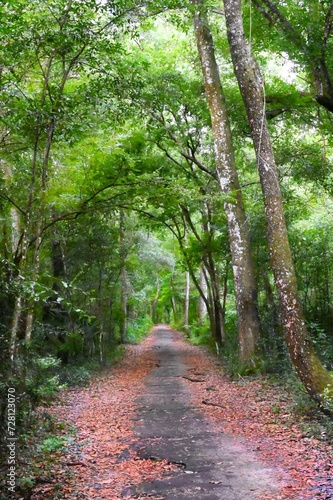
{"type": "Point", "coordinates": [123, 276]}
{"type": "Point", "coordinates": [51, 84]}
{"type": "Point", "coordinates": [317, 380]}
{"type": "Point", "coordinates": [243, 270]}
{"type": "Point", "coordinates": [306, 36]}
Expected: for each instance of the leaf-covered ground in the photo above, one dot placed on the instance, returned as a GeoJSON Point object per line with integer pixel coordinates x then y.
{"type": "Point", "coordinates": [100, 462]}
{"type": "Point", "coordinates": [261, 412]}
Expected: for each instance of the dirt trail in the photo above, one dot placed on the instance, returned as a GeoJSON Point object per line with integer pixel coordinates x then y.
{"type": "Point", "coordinates": [213, 465]}
{"type": "Point", "coordinates": [167, 424]}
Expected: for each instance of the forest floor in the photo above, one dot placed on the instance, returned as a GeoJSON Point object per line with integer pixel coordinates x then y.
{"type": "Point", "coordinates": [167, 423]}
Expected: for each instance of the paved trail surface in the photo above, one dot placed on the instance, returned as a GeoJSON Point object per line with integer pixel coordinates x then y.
{"type": "Point", "coordinates": [212, 464]}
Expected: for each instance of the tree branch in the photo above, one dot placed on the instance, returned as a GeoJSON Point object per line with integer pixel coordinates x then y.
{"type": "Point", "coordinates": [328, 24]}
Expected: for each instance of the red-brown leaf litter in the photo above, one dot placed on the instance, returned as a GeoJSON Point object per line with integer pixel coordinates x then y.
{"type": "Point", "coordinates": [100, 462]}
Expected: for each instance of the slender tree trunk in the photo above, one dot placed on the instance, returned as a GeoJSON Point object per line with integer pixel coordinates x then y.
{"type": "Point", "coordinates": [57, 257]}
{"type": "Point", "coordinates": [213, 301]}
{"type": "Point", "coordinates": [243, 269]}
{"type": "Point", "coordinates": [273, 308]}
{"type": "Point", "coordinates": [101, 346]}
{"type": "Point", "coordinates": [219, 329]}
{"type": "Point", "coordinates": [155, 300]}
{"type": "Point", "coordinates": [173, 300]}
{"type": "Point", "coordinates": [202, 308]}
{"type": "Point", "coordinates": [123, 279]}
{"type": "Point", "coordinates": [34, 277]}
{"type": "Point", "coordinates": [214, 276]}
{"type": "Point", "coordinates": [314, 376]}
{"type": "Point", "coordinates": [17, 314]}
{"type": "Point", "coordinates": [225, 289]}
{"type": "Point", "coordinates": [12, 247]}
{"type": "Point", "coordinates": [187, 302]}
{"type": "Point", "coordinates": [174, 306]}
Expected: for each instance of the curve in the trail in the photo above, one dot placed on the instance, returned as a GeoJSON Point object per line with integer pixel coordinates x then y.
{"type": "Point", "coordinates": [212, 464]}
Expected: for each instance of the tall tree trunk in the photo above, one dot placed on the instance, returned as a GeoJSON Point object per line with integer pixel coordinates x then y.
{"type": "Point", "coordinates": [314, 376]}
{"type": "Point", "coordinates": [11, 249]}
{"type": "Point", "coordinates": [34, 276]}
{"type": "Point", "coordinates": [213, 303]}
{"type": "Point", "coordinates": [202, 308]}
{"type": "Point", "coordinates": [123, 279]}
{"type": "Point", "coordinates": [225, 288]}
{"type": "Point", "coordinates": [273, 307]}
{"type": "Point", "coordinates": [15, 327]}
{"type": "Point", "coordinates": [155, 300]}
{"type": "Point", "coordinates": [243, 269]}
{"type": "Point", "coordinates": [187, 302]}
{"type": "Point", "coordinates": [215, 280]}
{"type": "Point", "coordinates": [216, 307]}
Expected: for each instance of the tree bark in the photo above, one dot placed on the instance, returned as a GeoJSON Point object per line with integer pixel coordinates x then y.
{"type": "Point", "coordinates": [243, 269]}
{"type": "Point", "coordinates": [215, 282]}
{"type": "Point", "coordinates": [155, 300]}
{"type": "Point", "coordinates": [202, 308]}
{"type": "Point", "coordinates": [314, 376]}
{"type": "Point", "coordinates": [123, 279]}
{"type": "Point", "coordinates": [187, 302]}
{"type": "Point", "coordinates": [213, 302]}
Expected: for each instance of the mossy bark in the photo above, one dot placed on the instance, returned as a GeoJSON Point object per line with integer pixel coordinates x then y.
{"type": "Point", "coordinates": [242, 264]}
{"type": "Point", "coordinates": [312, 373]}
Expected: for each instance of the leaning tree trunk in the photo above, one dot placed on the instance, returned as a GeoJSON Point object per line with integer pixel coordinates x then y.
{"type": "Point", "coordinates": [243, 270]}
{"type": "Point", "coordinates": [317, 380]}
{"type": "Point", "coordinates": [212, 301]}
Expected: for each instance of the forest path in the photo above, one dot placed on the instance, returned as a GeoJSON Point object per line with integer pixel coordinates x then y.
{"type": "Point", "coordinates": [212, 464]}
{"type": "Point", "coordinates": [166, 423]}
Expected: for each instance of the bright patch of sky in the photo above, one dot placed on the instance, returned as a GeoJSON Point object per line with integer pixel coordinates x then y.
{"type": "Point", "coordinates": [281, 66]}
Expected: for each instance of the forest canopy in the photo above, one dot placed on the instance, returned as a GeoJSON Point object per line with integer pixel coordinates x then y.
{"type": "Point", "coordinates": [165, 162]}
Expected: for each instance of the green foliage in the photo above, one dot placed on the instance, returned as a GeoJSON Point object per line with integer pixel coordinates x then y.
{"type": "Point", "coordinates": [328, 396]}
{"type": "Point", "coordinates": [73, 345]}
{"type": "Point", "coordinates": [41, 380]}
{"type": "Point", "coordinates": [138, 328]}
{"type": "Point", "coordinates": [103, 112]}
{"type": "Point", "coordinates": [302, 403]}
{"type": "Point", "coordinates": [26, 483]}
{"type": "Point", "coordinates": [47, 390]}
{"type": "Point", "coordinates": [201, 335]}
{"type": "Point", "coordinates": [54, 443]}
{"type": "Point", "coordinates": [255, 366]}
{"type": "Point", "coordinates": [276, 409]}
{"type": "Point", "coordinates": [321, 342]}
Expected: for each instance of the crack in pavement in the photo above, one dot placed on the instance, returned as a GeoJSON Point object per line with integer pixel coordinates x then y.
{"type": "Point", "coordinates": [213, 465]}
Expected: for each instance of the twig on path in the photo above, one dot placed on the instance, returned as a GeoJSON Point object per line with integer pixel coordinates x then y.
{"type": "Point", "coordinates": [194, 379]}
{"type": "Point", "coordinates": [204, 402]}
{"type": "Point", "coordinates": [72, 464]}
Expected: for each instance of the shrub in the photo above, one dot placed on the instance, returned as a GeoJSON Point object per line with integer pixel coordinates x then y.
{"type": "Point", "coordinates": [138, 328]}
